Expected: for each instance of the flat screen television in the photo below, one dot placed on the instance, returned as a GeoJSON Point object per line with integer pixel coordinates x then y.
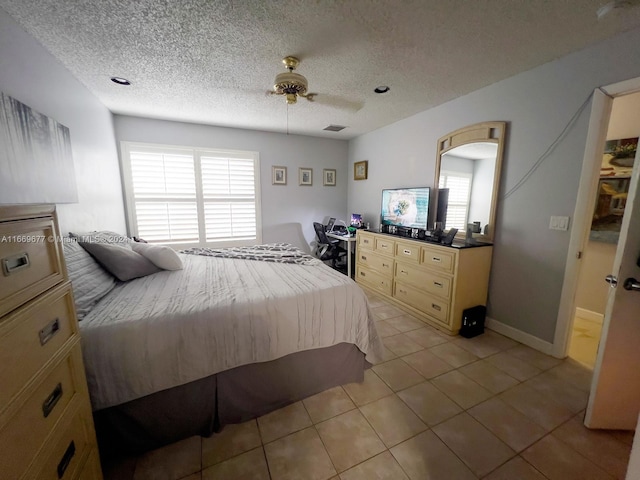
{"type": "Point", "coordinates": [406, 207]}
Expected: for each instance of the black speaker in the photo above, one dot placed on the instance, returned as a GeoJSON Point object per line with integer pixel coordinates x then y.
{"type": "Point", "coordinates": [473, 321]}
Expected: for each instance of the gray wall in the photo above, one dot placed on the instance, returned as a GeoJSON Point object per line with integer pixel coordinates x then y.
{"type": "Point", "coordinates": [31, 75]}
{"type": "Point", "coordinates": [288, 211]}
{"type": "Point", "coordinates": [529, 259]}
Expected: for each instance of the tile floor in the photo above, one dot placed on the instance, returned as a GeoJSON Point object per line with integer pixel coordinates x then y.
{"type": "Point", "coordinates": [438, 407]}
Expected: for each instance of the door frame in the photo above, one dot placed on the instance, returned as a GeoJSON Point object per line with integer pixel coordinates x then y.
{"type": "Point", "coordinates": [585, 203]}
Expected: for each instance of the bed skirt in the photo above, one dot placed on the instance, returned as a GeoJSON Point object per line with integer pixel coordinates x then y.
{"type": "Point", "coordinates": [233, 396]}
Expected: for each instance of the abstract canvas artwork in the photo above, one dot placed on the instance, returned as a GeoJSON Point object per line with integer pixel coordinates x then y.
{"type": "Point", "coordinates": [36, 165]}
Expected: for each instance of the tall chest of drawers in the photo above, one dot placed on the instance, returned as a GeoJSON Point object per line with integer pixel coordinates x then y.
{"type": "Point", "coordinates": [46, 426]}
{"type": "Point", "coordinates": [432, 282]}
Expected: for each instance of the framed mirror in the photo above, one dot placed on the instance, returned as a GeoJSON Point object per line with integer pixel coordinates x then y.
{"type": "Point", "coordinates": [467, 179]}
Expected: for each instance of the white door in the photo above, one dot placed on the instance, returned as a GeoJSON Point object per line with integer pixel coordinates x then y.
{"type": "Point", "coordinates": [614, 402]}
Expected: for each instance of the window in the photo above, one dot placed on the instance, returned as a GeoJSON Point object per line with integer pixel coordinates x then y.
{"type": "Point", "coordinates": [192, 197]}
{"type": "Point", "coordinates": [459, 185]}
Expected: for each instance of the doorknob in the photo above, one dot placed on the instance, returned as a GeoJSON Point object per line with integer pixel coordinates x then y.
{"type": "Point", "coordinates": [612, 280]}
{"type": "Point", "coordinates": [632, 284]}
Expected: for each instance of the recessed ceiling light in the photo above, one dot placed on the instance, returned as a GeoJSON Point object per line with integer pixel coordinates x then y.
{"type": "Point", "coordinates": [120, 81]}
{"type": "Point", "coordinates": [382, 89]}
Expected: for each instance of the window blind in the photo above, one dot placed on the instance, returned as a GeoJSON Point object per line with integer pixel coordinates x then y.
{"type": "Point", "coordinates": [459, 185]}
{"type": "Point", "coordinates": [192, 197]}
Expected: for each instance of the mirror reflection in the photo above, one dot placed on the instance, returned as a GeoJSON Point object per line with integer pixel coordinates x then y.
{"type": "Point", "coordinates": [467, 175]}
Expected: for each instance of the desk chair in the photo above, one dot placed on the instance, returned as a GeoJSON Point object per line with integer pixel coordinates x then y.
{"type": "Point", "coordinates": [327, 249]}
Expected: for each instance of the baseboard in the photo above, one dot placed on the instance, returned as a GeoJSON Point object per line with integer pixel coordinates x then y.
{"type": "Point", "coordinates": [589, 315]}
{"type": "Point", "coordinates": [519, 336]}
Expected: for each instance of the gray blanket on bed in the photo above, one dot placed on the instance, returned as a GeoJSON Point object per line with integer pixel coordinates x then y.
{"type": "Point", "coordinates": [271, 252]}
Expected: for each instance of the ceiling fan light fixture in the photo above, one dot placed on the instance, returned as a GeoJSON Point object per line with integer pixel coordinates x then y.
{"type": "Point", "coordinates": [291, 98]}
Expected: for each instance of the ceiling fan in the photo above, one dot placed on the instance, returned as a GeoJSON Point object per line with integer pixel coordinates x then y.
{"type": "Point", "coordinates": [293, 85]}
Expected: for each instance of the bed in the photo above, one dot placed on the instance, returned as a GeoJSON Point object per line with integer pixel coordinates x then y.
{"type": "Point", "coordinates": [222, 340]}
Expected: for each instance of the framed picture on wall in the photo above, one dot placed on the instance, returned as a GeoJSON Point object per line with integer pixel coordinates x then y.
{"type": "Point", "coordinates": [279, 175]}
{"type": "Point", "coordinates": [613, 188]}
{"type": "Point", "coordinates": [305, 176]}
{"type": "Point", "coordinates": [329, 177]}
{"type": "Point", "coordinates": [360, 170]}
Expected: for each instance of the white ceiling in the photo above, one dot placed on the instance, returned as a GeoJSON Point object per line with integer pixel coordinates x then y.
{"type": "Point", "coordinates": [211, 62]}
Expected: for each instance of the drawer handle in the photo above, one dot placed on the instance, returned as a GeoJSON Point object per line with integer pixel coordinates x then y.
{"type": "Point", "coordinates": [436, 259]}
{"type": "Point", "coordinates": [404, 272]}
{"type": "Point", "coordinates": [406, 252]}
{"type": "Point", "coordinates": [362, 257]}
{"type": "Point", "coordinates": [15, 263]}
{"type": "Point", "coordinates": [49, 404]}
{"type": "Point", "coordinates": [437, 284]}
{"type": "Point", "coordinates": [383, 246]}
{"type": "Point", "coordinates": [49, 331]}
{"type": "Point", "coordinates": [436, 307]}
{"type": "Point", "coordinates": [66, 459]}
{"type": "Point", "coordinates": [404, 292]}
{"type": "Point", "coordinates": [385, 265]}
{"type": "Point", "coordinates": [362, 274]}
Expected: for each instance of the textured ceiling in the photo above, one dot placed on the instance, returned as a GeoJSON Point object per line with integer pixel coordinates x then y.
{"type": "Point", "coordinates": [211, 62]}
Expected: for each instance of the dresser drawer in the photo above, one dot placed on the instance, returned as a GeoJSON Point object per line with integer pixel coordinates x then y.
{"type": "Point", "coordinates": [385, 246]}
{"type": "Point", "coordinates": [420, 277]}
{"type": "Point", "coordinates": [30, 336]}
{"type": "Point", "coordinates": [438, 259]}
{"type": "Point", "coordinates": [66, 450]}
{"type": "Point", "coordinates": [408, 252]}
{"type": "Point", "coordinates": [433, 306]}
{"type": "Point", "coordinates": [30, 262]}
{"type": "Point", "coordinates": [374, 280]}
{"type": "Point", "coordinates": [27, 430]}
{"type": "Point", "coordinates": [376, 262]}
{"type": "Point", "coordinates": [365, 240]}
{"type": "Point", "coordinates": [91, 469]}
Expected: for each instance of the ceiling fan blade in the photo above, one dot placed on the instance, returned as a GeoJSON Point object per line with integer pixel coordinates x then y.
{"type": "Point", "coordinates": [335, 101]}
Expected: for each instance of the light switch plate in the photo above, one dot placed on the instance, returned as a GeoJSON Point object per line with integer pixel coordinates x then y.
{"type": "Point", "coordinates": [559, 223]}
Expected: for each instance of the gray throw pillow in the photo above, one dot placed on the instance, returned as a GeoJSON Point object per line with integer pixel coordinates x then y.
{"type": "Point", "coordinates": [121, 261]}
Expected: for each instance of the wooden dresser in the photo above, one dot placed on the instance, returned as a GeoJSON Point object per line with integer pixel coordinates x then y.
{"type": "Point", "coordinates": [430, 281]}
{"type": "Point", "coordinates": [46, 426]}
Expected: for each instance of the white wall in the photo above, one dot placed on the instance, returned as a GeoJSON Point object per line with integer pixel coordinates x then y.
{"type": "Point", "coordinates": [31, 75]}
{"type": "Point", "coordinates": [288, 211]}
{"type": "Point", "coordinates": [529, 259]}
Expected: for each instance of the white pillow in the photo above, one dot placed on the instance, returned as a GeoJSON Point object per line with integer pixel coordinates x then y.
{"type": "Point", "coordinates": [160, 255]}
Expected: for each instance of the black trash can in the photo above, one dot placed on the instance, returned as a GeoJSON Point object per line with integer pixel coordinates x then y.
{"type": "Point", "coordinates": [473, 321]}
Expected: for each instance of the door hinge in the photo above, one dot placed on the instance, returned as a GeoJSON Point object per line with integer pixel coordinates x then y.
{"type": "Point", "coordinates": [579, 255]}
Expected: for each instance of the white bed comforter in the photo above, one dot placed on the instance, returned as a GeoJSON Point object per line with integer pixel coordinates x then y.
{"type": "Point", "coordinates": [171, 328]}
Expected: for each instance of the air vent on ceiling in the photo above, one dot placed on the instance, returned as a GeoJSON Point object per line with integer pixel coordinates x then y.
{"type": "Point", "coordinates": [334, 128]}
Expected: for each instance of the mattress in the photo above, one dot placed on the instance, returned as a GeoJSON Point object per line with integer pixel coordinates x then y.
{"type": "Point", "coordinates": [171, 328]}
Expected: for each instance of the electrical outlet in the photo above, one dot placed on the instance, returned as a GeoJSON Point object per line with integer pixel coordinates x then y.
{"type": "Point", "coordinates": [559, 223]}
